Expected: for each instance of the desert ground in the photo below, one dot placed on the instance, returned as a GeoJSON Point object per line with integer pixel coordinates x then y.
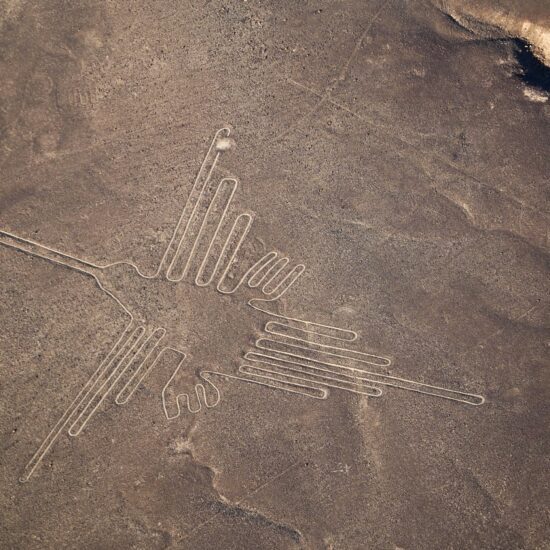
{"type": "Point", "coordinates": [274, 274]}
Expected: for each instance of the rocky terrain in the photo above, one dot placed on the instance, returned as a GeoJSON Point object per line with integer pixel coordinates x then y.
{"type": "Point", "coordinates": [392, 391]}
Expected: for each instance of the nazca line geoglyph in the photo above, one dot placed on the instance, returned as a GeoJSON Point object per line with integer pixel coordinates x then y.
{"type": "Point", "coordinates": [293, 355]}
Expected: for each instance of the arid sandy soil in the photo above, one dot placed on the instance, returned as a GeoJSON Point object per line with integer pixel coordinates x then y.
{"type": "Point", "coordinates": [398, 150]}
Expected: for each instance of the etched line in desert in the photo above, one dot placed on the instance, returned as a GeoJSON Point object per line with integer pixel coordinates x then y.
{"type": "Point", "coordinates": [295, 356]}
